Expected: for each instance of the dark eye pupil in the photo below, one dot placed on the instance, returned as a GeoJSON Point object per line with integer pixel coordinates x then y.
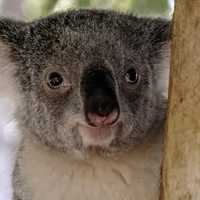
{"type": "Point", "coordinates": [55, 80]}
{"type": "Point", "coordinates": [131, 76]}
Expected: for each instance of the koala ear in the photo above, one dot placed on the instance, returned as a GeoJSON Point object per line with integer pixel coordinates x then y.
{"type": "Point", "coordinates": [10, 30]}
{"type": "Point", "coordinates": [160, 35]}
{"type": "Point", "coordinates": [160, 38]}
{"type": "Point", "coordinates": [10, 38]}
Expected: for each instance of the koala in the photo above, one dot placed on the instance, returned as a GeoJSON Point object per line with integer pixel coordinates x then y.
{"type": "Point", "coordinates": [90, 89]}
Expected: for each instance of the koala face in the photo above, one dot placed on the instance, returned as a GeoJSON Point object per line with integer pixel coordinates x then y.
{"type": "Point", "coordinates": [89, 78]}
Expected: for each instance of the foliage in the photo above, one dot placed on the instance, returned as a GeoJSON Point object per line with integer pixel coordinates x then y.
{"type": "Point", "coordinates": [37, 8]}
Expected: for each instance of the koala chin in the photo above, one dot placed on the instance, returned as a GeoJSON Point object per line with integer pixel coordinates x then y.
{"type": "Point", "coordinates": [89, 87]}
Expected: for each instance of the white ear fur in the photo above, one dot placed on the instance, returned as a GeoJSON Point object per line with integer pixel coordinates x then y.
{"type": "Point", "coordinates": [8, 84]}
{"type": "Point", "coordinates": [162, 75]}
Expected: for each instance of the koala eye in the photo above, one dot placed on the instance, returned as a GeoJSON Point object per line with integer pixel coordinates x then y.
{"type": "Point", "coordinates": [55, 80]}
{"type": "Point", "coordinates": [131, 76]}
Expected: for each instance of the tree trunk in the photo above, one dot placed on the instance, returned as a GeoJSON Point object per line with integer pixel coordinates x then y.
{"type": "Point", "coordinates": [181, 169]}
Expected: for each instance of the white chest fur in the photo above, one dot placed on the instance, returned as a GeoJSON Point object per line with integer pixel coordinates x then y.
{"type": "Point", "coordinates": [50, 175]}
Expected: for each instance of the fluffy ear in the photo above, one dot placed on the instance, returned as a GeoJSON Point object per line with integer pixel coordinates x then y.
{"type": "Point", "coordinates": [160, 33]}
{"type": "Point", "coordinates": [10, 38]}
{"type": "Point", "coordinates": [160, 38]}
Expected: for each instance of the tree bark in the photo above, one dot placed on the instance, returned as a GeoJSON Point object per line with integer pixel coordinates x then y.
{"type": "Point", "coordinates": [181, 168]}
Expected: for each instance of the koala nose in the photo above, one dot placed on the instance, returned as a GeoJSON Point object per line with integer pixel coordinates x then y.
{"type": "Point", "coordinates": [103, 110]}
{"type": "Point", "coordinates": [99, 95]}
{"type": "Point", "coordinates": [102, 104]}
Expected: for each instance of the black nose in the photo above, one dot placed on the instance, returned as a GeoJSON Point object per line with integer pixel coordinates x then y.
{"type": "Point", "coordinates": [99, 93]}
{"type": "Point", "coordinates": [101, 103]}
{"type": "Point", "coordinates": [104, 106]}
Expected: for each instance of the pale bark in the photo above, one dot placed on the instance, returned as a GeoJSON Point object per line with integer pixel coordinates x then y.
{"type": "Point", "coordinates": [181, 171]}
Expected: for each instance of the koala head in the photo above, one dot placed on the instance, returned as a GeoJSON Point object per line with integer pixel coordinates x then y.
{"type": "Point", "coordinates": [87, 78]}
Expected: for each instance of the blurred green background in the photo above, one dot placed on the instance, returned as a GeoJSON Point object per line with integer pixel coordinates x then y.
{"type": "Point", "coordinates": [31, 9]}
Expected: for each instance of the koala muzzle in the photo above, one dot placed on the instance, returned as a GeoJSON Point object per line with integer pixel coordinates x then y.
{"type": "Point", "coordinates": [100, 101]}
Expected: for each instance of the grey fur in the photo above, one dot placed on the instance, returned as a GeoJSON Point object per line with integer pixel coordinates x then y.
{"type": "Point", "coordinates": [72, 41]}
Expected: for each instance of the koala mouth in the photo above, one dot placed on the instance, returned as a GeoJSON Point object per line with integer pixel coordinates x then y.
{"type": "Point", "coordinates": [100, 130]}
{"type": "Point", "coordinates": [105, 121]}
{"type": "Point", "coordinates": [101, 135]}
